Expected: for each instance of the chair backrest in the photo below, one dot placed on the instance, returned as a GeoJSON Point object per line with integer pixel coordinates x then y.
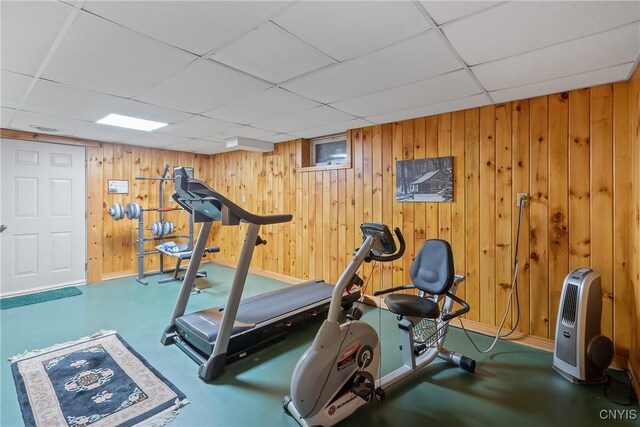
{"type": "Point", "coordinates": [432, 270]}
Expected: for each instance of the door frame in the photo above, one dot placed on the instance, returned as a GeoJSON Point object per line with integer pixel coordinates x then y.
{"type": "Point", "coordinates": [10, 135]}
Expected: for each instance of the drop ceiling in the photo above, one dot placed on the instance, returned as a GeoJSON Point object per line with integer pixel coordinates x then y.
{"type": "Point", "coordinates": [277, 71]}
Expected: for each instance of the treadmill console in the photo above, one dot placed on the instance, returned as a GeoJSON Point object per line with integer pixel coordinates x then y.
{"type": "Point", "coordinates": [387, 244]}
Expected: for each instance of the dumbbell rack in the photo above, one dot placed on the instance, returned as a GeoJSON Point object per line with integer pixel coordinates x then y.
{"type": "Point", "coordinates": [160, 239]}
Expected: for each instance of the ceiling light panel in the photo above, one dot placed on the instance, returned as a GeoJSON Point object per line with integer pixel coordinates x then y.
{"type": "Point", "coordinates": [152, 112]}
{"type": "Point", "coordinates": [522, 26]}
{"type": "Point", "coordinates": [102, 56]}
{"type": "Point", "coordinates": [197, 126]}
{"type": "Point", "coordinates": [576, 81]}
{"type": "Point", "coordinates": [130, 122]}
{"type": "Point", "coordinates": [413, 60]}
{"type": "Point", "coordinates": [347, 29]}
{"type": "Point", "coordinates": [454, 85]}
{"type": "Point", "coordinates": [203, 86]}
{"type": "Point", "coordinates": [590, 53]}
{"type": "Point", "coordinates": [13, 87]}
{"type": "Point", "coordinates": [445, 11]}
{"type": "Point", "coordinates": [268, 104]}
{"type": "Point", "coordinates": [315, 117]}
{"type": "Point", "coordinates": [28, 29]}
{"type": "Point", "coordinates": [272, 54]}
{"type": "Point", "coordinates": [57, 99]}
{"type": "Point", "coordinates": [196, 26]}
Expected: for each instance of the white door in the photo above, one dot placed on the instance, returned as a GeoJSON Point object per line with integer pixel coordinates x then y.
{"type": "Point", "coordinates": [43, 197]}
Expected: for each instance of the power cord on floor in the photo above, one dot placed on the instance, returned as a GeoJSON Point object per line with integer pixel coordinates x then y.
{"type": "Point", "coordinates": [512, 294]}
{"type": "Point", "coordinates": [609, 386]}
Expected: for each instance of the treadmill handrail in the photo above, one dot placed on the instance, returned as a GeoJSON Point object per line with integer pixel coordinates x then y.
{"type": "Point", "coordinates": [232, 214]}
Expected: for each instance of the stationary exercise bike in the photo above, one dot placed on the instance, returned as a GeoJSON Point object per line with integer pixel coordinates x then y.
{"type": "Point", "coordinates": [338, 373]}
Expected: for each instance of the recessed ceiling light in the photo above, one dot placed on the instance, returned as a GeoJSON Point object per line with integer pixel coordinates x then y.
{"type": "Point", "coordinates": [130, 122]}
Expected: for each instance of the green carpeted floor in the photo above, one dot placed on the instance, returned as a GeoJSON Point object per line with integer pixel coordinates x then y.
{"type": "Point", "coordinates": [514, 385]}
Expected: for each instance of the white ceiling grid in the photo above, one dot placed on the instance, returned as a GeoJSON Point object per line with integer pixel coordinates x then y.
{"type": "Point", "coordinates": [276, 71]}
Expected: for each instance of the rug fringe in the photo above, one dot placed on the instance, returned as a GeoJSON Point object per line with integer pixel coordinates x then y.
{"type": "Point", "coordinates": [165, 417]}
{"type": "Point", "coordinates": [27, 354]}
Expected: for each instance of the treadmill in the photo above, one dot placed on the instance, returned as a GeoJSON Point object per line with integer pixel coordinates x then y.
{"type": "Point", "coordinates": [221, 335]}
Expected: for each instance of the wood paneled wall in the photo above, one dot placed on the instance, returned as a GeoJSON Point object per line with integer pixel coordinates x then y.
{"type": "Point", "coordinates": [571, 152]}
{"type": "Point", "coordinates": [634, 231]}
{"type": "Point", "coordinates": [112, 249]}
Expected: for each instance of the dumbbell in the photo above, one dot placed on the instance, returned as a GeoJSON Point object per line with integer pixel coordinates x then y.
{"type": "Point", "coordinates": [162, 228]}
{"type": "Point", "coordinates": [133, 210]}
{"type": "Point", "coordinates": [116, 212]}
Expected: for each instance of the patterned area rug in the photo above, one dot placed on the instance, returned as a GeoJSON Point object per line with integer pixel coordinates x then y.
{"type": "Point", "coordinates": [98, 380]}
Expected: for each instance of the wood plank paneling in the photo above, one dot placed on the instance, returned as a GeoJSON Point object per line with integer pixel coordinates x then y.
{"type": "Point", "coordinates": [558, 200]}
{"type": "Point", "coordinates": [577, 154]}
{"type": "Point", "coordinates": [539, 226]}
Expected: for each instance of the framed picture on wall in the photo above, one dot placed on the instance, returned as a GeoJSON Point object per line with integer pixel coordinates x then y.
{"type": "Point", "coordinates": [117, 186]}
{"type": "Point", "coordinates": [425, 180]}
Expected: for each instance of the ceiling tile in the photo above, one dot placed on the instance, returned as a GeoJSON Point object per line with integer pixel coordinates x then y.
{"type": "Point", "coordinates": [101, 56]}
{"type": "Point", "coordinates": [196, 26]}
{"type": "Point", "coordinates": [6, 115]}
{"type": "Point", "coordinates": [203, 86]}
{"type": "Point", "coordinates": [249, 132]}
{"type": "Point", "coordinates": [429, 110]}
{"type": "Point", "coordinates": [27, 120]}
{"type": "Point", "coordinates": [216, 137]}
{"type": "Point", "coordinates": [280, 137]}
{"type": "Point", "coordinates": [58, 99]}
{"type": "Point", "coordinates": [576, 81]}
{"type": "Point", "coordinates": [146, 111]}
{"type": "Point", "coordinates": [272, 54]}
{"type": "Point", "coordinates": [28, 29]}
{"type": "Point", "coordinates": [315, 117]}
{"type": "Point", "coordinates": [445, 11]}
{"type": "Point", "coordinates": [194, 145]}
{"type": "Point", "coordinates": [454, 85]}
{"type": "Point", "coordinates": [590, 53]}
{"type": "Point", "coordinates": [106, 133]}
{"type": "Point", "coordinates": [197, 126]}
{"type": "Point", "coordinates": [154, 139]}
{"type": "Point", "coordinates": [265, 105]}
{"type": "Point", "coordinates": [332, 129]}
{"type": "Point", "coordinates": [218, 148]}
{"type": "Point", "coordinates": [352, 28]}
{"type": "Point", "coordinates": [522, 26]}
{"type": "Point", "coordinates": [13, 87]}
{"type": "Point", "coordinates": [413, 60]}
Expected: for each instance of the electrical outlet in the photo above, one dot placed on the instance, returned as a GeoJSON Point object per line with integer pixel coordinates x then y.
{"type": "Point", "coordinates": [524, 197]}
{"type": "Point", "coordinates": [244, 198]}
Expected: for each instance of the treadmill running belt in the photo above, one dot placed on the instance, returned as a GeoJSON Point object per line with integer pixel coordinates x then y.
{"type": "Point", "coordinates": [201, 328]}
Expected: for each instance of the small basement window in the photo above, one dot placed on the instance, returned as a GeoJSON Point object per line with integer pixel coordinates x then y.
{"type": "Point", "coordinates": [329, 150]}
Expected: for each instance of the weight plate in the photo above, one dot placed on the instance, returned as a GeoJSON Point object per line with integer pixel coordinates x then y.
{"type": "Point", "coordinates": [156, 228]}
{"type": "Point", "coordinates": [137, 210]}
{"type": "Point", "coordinates": [167, 228]}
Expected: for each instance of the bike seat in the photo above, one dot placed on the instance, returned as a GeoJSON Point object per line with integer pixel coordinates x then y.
{"type": "Point", "coordinates": [412, 305]}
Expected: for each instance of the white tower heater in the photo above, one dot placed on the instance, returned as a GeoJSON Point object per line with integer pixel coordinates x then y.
{"type": "Point", "coordinates": [581, 354]}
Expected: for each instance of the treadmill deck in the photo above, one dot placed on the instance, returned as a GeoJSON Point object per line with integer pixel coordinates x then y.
{"type": "Point", "coordinates": [260, 319]}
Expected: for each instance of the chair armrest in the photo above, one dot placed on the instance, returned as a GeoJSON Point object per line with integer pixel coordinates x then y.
{"type": "Point", "coordinates": [465, 308]}
{"type": "Point", "coordinates": [459, 278]}
{"type": "Point", "coordinates": [395, 288]}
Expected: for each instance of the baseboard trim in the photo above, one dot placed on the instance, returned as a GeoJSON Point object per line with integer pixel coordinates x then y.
{"type": "Point", "coordinates": [129, 273]}
{"type": "Point", "coordinates": [263, 273]}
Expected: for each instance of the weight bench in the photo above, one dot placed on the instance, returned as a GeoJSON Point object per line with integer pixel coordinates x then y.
{"type": "Point", "coordinates": [182, 252]}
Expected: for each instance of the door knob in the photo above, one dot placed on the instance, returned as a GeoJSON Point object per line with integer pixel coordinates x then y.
{"type": "Point", "coordinates": [2, 227]}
